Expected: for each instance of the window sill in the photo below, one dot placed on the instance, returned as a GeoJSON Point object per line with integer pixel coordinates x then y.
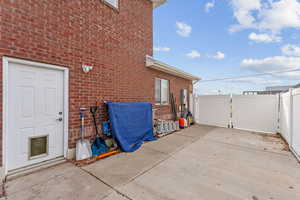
{"type": "Point", "coordinates": [111, 6]}
{"type": "Point", "coordinates": [158, 104]}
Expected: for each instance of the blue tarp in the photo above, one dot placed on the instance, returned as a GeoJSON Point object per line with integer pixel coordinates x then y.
{"type": "Point", "coordinates": [131, 124]}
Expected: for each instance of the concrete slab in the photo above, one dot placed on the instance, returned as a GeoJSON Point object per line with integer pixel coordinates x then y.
{"type": "Point", "coordinates": [60, 182]}
{"type": "Point", "coordinates": [116, 196]}
{"type": "Point", "coordinates": [169, 144]}
{"type": "Point", "coordinates": [199, 163]}
{"type": "Point", "coordinates": [122, 168]}
{"type": "Point", "coordinates": [196, 131]}
{"type": "Point", "coordinates": [214, 170]}
{"type": "Point", "coordinates": [266, 142]}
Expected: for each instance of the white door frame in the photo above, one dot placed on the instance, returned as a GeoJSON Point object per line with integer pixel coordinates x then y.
{"type": "Point", "coordinates": [5, 101]}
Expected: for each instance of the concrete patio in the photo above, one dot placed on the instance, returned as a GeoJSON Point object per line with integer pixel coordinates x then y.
{"type": "Point", "coordinates": [201, 162]}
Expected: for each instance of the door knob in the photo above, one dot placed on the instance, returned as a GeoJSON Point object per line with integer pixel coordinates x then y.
{"type": "Point", "coordinates": [59, 119]}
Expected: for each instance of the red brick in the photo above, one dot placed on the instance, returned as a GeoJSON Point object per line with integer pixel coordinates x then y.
{"type": "Point", "coordinates": [72, 33]}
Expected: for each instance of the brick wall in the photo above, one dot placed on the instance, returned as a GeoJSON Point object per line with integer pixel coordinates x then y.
{"type": "Point", "coordinates": [75, 32]}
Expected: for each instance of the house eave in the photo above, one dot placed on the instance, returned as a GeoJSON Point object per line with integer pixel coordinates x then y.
{"type": "Point", "coordinates": [157, 3]}
{"type": "Point", "coordinates": [160, 66]}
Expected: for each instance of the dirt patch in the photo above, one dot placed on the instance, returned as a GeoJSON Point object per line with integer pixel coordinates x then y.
{"type": "Point", "coordinates": [2, 190]}
{"type": "Point", "coordinates": [276, 141]}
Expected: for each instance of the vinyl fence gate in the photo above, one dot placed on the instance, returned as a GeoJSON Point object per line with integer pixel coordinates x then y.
{"type": "Point", "coordinates": [211, 110]}
{"type": "Point", "coordinates": [247, 112]}
{"type": "Point", "coordinates": [259, 113]}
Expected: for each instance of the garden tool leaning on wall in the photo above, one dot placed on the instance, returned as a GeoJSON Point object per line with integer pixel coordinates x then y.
{"type": "Point", "coordinates": [83, 147]}
{"type": "Point", "coordinates": [98, 146]}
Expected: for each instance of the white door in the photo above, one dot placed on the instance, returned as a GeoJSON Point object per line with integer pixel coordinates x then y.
{"type": "Point", "coordinates": [35, 115]}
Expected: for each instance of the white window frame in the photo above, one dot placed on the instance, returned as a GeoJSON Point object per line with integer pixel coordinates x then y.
{"type": "Point", "coordinates": [161, 92]}
{"type": "Point", "coordinates": [116, 5]}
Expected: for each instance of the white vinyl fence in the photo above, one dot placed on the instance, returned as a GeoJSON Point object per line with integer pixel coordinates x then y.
{"type": "Point", "coordinates": [255, 112]}
{"type": "Point", "coordinates": [295, 144]}
{"type": "Point", "coordinates": [211, 109]}
{"type": "Point", "coordinates": [260, 113]}
{"type": "Point", "coordinates": [289, 121]}
{"type": "Point", "coordinates": [285, 115]}
{"type": "Point", "coordinates": [248, 112]}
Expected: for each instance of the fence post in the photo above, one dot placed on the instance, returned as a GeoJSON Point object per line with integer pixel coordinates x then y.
{"type": "Point", "coordinates": [231, 112]}
{"type": "Point", "coordinates": [291, 123]}
{"type": "Point", "coordinates": [279, 112]}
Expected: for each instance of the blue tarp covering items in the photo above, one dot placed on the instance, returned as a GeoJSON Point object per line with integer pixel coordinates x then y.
{"type": "Point", "coordinates": [131, 124]}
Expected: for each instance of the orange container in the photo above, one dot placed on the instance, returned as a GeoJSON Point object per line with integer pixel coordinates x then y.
{"type": "Point", "coordinates": [181, 122]}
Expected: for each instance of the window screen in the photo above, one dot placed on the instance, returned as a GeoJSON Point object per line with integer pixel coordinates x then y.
{"type": "Point", "coordinates": [161, 91]}
{"type": "Point", "coordinates": [157, 91]}
{"type": "Point", "coordinates": [164, 91]}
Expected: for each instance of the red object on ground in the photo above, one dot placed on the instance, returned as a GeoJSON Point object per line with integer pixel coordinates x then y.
{"type": "Point", "coordinates": [181, 122]}
{"type": "Point", "coordinates": [94, 159]}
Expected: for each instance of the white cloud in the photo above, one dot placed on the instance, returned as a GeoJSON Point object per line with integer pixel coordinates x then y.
{"type": "Point", "coordinates": [273, 64]}
{"type": "Point", "coordinates": [291, 50]}
{"type": "Point", "coordinates": [242, 10]}
{"type": "Point", "coordinates": [290, 75]}
{"type": "Point", "coordinates": [163, 49]}
{"type": "Point", "coordinates": [279, 15]}
{"type": "Point", "coordinates": [265, 38]}
{"type": "Point", "coordinates": [194, 54]}
{"type": "Point", "coordinates": [219, 55]}
{"type": "Point", "coordinates": [209, 5]}
{"type": "Point", "coordinates": [183, 29]}
{"type": "Point", "coordinates": [270, 16]}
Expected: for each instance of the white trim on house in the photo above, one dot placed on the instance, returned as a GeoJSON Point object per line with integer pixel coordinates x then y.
{"type": "Point", "coordinates": [157, 3]}
{"type": "Point", "coordinates": [5, 101]}
{"type": "Point", "coordinates": [160, 66]}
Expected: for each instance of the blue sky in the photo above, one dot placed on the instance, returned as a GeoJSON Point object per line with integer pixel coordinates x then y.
{"type": "Point", "coordinates": [230, 38]}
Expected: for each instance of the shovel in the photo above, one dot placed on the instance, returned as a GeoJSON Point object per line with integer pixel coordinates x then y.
{"type": "Point", "coordinates": [83, 147]}
{"type": "Point", "coordinates": [98, 146]}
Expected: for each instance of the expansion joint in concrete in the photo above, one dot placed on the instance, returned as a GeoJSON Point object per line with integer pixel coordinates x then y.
{"type": "Point", "coordinates": [108, 185]}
